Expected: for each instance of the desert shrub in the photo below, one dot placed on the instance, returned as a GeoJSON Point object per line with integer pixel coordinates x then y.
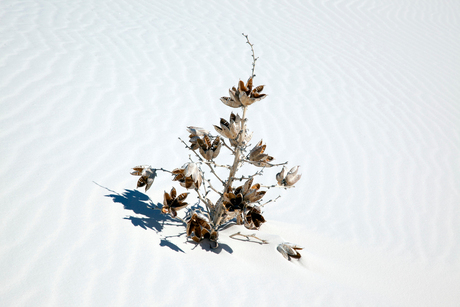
{"type": "Point", "coordinates": [238, 199]}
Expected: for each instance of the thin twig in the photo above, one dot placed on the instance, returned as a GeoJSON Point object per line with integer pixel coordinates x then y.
{"type": "Point", "coordinates": [190, 148]}
{"type": "Point", "coordinates": [229, 148]}
{"type": "Point", "coordinates": [214, 173]}
{"type": "Point", "coordinates": [203, 200]}
{"type": "Point", "coordinates": [266, 164]}
{"type": "Point", "coordinates": [208, 163]}
{"type": "Point", "coordinates": [271, 201]}
{"type": "Point", "coordinates": [262, 241]}
{"type": "Point", "coordinates": [217, 165]}
{"type": "Point", "coordinates": [254, 59]}
{"type": "Point", "coordinates": [258, 173]}
{"type": "Point", "coordinates": [212, 188]}
{"type": "Point", "coordinates": [277, 186]}
{"type": "Point", "coordinates": [162, 169]}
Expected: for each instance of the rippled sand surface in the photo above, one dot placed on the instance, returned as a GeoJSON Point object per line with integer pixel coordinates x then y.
{"type": "Point", "coordinates": [364, 95]}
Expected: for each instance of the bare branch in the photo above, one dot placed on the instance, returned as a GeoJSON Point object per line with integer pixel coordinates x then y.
{"type": "Point", "coordinates": [276, 186]}
{"type": "Point", "coordinates": [217, 165]}
{"type": "Point", "coordinates": [208, 163]}
{"type": "Point", "coordinates": [271, 201]}
{"type": "Point", "coordinates": [190, 148]}
{"type": "Point", "coordinates": [266, 164]}
{"type": "Point", "coordinates": [258, 173]}
{"type": "Point", "coordinates": [229, 148]}
{"type": "Point", "coordinates": [162, 169]}
{"type": "Point", "coordinates": [262, 241]}
{"type": "Point", "coordinates": [203, 200]}
{"type": "Point", "coordinates": [236, 162]}
{"type": "Point", "coordinates": [212, 188]}
{"type": "Point", "coordinates": [214, 173]}
{"type": "Point", "coordinates": [254, 59]}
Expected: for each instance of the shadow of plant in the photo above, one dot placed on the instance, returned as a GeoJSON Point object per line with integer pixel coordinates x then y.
{"type": "Point", "coordinates": [140, 204]}
{"type": "Point", "coordinates": [148, 216]}
{"type": "Point", "coordinates": [208, 246]}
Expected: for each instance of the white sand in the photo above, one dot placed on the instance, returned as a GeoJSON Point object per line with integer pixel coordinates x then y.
{"type": "Point", "coordinates": [364, 95]}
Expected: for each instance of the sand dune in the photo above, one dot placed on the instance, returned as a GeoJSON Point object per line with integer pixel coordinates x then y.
{"type": "Point", "coordinates": [363, 95]}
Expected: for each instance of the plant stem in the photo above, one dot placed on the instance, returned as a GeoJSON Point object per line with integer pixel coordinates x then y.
{"type": "Point", "coordinates": [231, 176]}
{"type": "Point", "coordinates": [254, 59]}
{"type": "Point", "coordinates": [238, 153]}
{"type": "Point", "coordinates": [262, 241]}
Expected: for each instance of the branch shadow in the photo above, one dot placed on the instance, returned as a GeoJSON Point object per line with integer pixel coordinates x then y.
{"type": "Point", "coordinates": [147, 215]}
{"type": "Point", "coordinates": [152, 218]}
{"type": "Point", "coordinates": [209, 246]}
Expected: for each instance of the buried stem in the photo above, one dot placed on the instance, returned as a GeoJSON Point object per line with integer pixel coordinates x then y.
{"type": "Point", "coordinates": [262, 241]}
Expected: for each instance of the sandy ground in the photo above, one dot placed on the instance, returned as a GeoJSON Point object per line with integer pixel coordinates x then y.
{"type": "Point", "coordinates": [363, 95]}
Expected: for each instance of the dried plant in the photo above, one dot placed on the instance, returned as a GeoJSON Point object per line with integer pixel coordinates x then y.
{"type": "Point", "coordinates": [289, 250]}
{"type": "Point", "coordinates": [173, 202]}
{"type": "Point", "coordinates": [147, 174]}
{"type": "Point", "coordinates": [240, 205]}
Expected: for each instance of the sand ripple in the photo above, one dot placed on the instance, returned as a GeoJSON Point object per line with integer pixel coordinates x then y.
{"type": "Point", "coordinates": [364, 96]}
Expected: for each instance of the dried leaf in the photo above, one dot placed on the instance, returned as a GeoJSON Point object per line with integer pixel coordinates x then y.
{"type": "Point", "coordinates": [167, 199]}
{"type": "Point", "coordinates": [207, 141]}
{"type": "Point", "coordinates": [178, 171]}
{"type": "Point", "coordinates": [173, 192]}
{"type": "Point", "coordinates": [189, 229]}
{"type": "Point", "coordinates": [242, 87]}
{"type": "Point", "coordinates": [230, 102]}
{"type": "Point", "coordinates": [249, 84]}
{"type": "Point", "coordinates": [234, 97]}
{"type": "Point", "coordinates": [258, 96]}
{"type": "Point", "coordinates": [188, 182]}
{"type": "Point", "coordinates": [260, 157]}
{"type": "Point", "coordinates": [247, 185]}
{"type": "Point", "coordinates": [291, 180]}
{"type": "Point", "coordinates": [182, 196]}
{"type": "Point", "coordinates": [216, 151]}
{"type": "Point", "coordinates": [245, 99]}
{"type": "Point", "coordinates": [197, 131]}
{"type": "Point", "coordinates": [258, 89]}
{"type": "Point", "coordinates": [281, 175]}
{"type": "Point", "coordinates": [216, 142]}
{"type": "Point", "coordinates": [289, 250]}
